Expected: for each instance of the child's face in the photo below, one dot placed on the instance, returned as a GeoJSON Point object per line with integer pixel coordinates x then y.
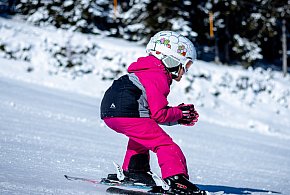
{"type": "Point", "coordinates": [179, 75]}
{"type": "Point", "coordinates": [181, 71]}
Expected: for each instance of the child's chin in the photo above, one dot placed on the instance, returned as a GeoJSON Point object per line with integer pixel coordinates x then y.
{"type": "Point", "coordinates": [177, 79]}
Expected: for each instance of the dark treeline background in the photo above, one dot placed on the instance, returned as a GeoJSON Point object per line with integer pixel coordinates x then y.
{"type": "Point", "coordinates": [245, 31]}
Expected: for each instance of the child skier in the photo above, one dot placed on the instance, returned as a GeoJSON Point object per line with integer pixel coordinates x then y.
{"type": "Point", "coordinates": [137, 103]}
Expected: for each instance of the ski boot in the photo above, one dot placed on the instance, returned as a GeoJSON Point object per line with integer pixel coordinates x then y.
{"type": "Point", "coordinates": [179, 184]}
{"type": "Point", "coordinates": [138, 172]}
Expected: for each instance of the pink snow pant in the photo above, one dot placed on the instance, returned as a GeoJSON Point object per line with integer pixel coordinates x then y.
{"type": "Point", "coordinates": [144, 135]}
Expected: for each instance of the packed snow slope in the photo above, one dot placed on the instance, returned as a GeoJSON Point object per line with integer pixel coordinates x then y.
{"type": "Point", "coordinates": [46, 133]}
{"type": "Point", "coordinates": [87, 64]}
{"type": "Point", "coordinates": [50, 125]}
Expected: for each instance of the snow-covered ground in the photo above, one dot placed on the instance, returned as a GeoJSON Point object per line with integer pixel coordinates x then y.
{"type": "Point", "coordinates": [50, 125]}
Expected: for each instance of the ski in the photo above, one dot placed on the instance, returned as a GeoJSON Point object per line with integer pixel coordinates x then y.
{"type": "Point", "coordinates": [118, 184]}
{"type": "Point", "coordinates": [118, 190]}
{"type": "Point", "coordinates": [82, 179]}
{"type": "Point", "coordinates": [114, 190]}
{"type": "Point", "coordinates": [154, 191]}
{"type": "Point", "coordinates": [107, 182]}
{"type": "Point", "coordinates": [118, 187]}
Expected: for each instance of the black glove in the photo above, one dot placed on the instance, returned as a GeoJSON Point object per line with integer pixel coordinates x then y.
{"type": "Point", "coordinates": [189, 114]}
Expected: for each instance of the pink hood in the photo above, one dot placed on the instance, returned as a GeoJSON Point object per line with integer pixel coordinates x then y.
{"type": "Point", "coordinates": [149, 64]}
{"type": "Point", "coordinates": [156, 81]}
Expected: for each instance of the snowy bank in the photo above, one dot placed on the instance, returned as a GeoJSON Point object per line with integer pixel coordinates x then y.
{"type": "Point", "coordinates": [50, 125]}
{"type": "Point", "coordinates": [252, 99]}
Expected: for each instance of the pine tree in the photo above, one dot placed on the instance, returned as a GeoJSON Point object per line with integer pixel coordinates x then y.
{"type": "Point", "coordinates": [264, 25]}
{"type": "Point", "coordinates": [80, 15]}
{"type": "Point", "coordinates": [244, 29]}
{"type": "Point", "coordinates": [147, 17]}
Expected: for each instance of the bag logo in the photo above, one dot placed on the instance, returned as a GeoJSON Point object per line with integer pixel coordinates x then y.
{"type": "Point", "coordinates": [113, 106]}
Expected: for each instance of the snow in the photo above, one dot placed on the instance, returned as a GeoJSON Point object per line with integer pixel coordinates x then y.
{"type": "Point", "coordinates": [50, 125]}
{"type": "Point", "coordinates": [250, 51]}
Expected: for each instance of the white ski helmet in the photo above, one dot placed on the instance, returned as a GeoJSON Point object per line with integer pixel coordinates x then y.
{"type": "Point", "coordinates": [173, 49]}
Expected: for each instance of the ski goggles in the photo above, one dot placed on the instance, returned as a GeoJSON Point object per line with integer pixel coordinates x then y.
{"type": "Point", "coordinates": [173, 63]}
{"type": "Point", "coordinates": [186, 65]}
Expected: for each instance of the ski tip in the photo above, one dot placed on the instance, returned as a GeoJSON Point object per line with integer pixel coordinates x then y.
{"type": "Point", "coordinates": [68, 177]}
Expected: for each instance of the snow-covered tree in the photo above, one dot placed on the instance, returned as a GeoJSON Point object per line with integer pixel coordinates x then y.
{"type": "Point", "coordinates": [257, 22]}
{"type": "Point", "coordinates": [146, 17]}
{"type": "Point", "coordinates": [248, 51]}
{"type": "Point", "coordinates": [263, 24]}
{"type": "Point", "coordinates": [79, 15]}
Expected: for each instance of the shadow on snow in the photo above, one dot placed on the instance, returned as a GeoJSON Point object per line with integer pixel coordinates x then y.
{"type": "Point", "coordinates": [233, 190]}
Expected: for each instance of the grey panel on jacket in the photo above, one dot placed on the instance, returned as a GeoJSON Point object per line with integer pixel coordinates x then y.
{"type": "Point", "coordinates": [143, 103]}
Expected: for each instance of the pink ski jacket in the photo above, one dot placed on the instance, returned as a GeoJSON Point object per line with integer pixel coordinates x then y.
{"type": "Point", "coordinates": [141, 93]}
{"type": "Point", "coordinates": [156, 80]}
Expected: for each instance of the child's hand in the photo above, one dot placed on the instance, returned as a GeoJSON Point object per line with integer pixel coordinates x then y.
{"type": "Point", "coordinates": [189, 114]}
